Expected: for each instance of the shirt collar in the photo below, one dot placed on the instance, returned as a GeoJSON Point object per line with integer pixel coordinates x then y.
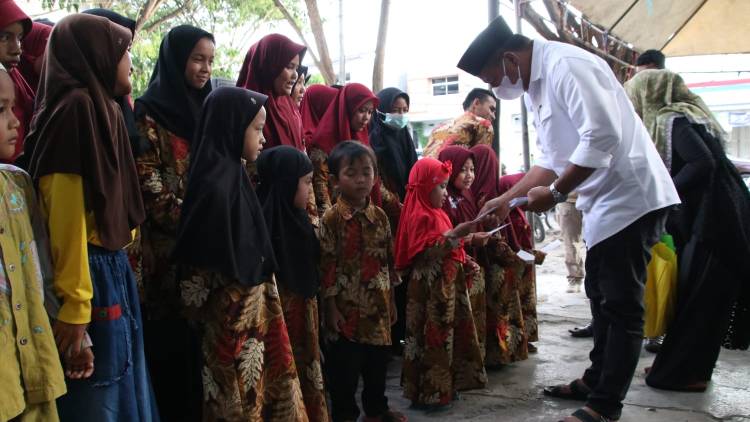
{"type": "Point", "coordinates": [537, 55]}
{"type": "Point", "coordinates": [348, 212]}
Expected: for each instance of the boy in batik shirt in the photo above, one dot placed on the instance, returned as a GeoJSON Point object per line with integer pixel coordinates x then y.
{"type": "Point", "coordinates": [357, 279]}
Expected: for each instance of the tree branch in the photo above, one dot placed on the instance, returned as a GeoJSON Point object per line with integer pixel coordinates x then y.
{"type": "Point", "coordinates": [290, 19]}
{"type": "Point", "coordinates": [146, 12]}
{"type": "Point", "coordinates": [316, 25]}
{"type": "Point", "coordinates": [169, 16]}
{"type": "Point", "coordinates": [378, 67]}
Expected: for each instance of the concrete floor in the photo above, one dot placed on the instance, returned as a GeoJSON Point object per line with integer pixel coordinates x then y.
{"type": "Point", "coordinates": [514, 392]}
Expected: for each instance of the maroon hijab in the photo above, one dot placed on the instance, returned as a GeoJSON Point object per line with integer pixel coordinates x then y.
{"type": "Point", "coordinates": [334, 126]}
{"type": "Point", "coordinates": [460, 205]}
{"type": "Point", "coordinates": [263, 63]}
{"type": "Point", "coordinates": [521, 236]}
{"type": "Point", "coordinates": [314, 105]}
{"type": "Point", "coordinates": [24, 107]}
{"type": "Point", "coordinates": [79, 128]}
{"type": "Point", "coordinates": [33, 46]}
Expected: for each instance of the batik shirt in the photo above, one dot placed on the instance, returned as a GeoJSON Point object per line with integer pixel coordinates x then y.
{"type": "Point", "coordinates": [468, 130]}
{"type": "Point", "coordinates": [357, 269]}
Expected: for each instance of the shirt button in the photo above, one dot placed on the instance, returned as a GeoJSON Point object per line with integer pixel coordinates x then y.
{"type": "Point", "coordinates": [19, 306]}
{"type": "Point", "coordinates": [11, 267]}
{"type": "Point", "coordinates": [23, 341]}
{"type": "Point", "coordinates": [38, 330]}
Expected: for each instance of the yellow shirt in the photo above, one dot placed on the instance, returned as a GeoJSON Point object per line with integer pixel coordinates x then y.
{"type": "Point", "coordinates": [30, 372]}
{"type": "Point", "coordinates": [71, 229]}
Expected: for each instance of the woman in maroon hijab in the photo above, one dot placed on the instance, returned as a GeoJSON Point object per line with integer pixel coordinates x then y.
{"type": "Point", "coordinates": [32, 53]}
{"type": "Point", "coordinates": [345, 119]}
{"type": "Point", "coordinates": [270, 68]}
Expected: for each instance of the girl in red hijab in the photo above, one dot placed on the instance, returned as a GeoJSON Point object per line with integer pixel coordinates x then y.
{"type": "Point", "coordinates": [461, 207]}
{"type": "Point", "coordinates": [314, 104]}
{"type": "Point", "coordinates": [32, 53]}
{"type": "Point", "coordinates": [270, 68]}
{"type": "Point", "coordinates": [345, 119]}
{"type": "Point", "coordinates": [430, 254]}
{"type": "Point", "coordinates": [14, 25]}
{"type": "Point", "coordinates": [506, 336]}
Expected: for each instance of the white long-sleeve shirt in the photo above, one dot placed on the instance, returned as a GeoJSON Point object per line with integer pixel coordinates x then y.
{"type": "Point", "coordinates": [583, 116]}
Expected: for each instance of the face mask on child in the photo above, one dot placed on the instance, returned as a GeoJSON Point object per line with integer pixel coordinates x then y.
{"type": "Point", "coordinates": [394, 120]}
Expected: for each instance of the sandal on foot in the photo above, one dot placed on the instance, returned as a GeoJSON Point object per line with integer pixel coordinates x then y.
{"type": "Point", "coordinates": [436, 408]}
{"type": "Point", "coordinates": [585, 416]}
{"type": "Point", "coordinates": [575, 391]}
{"type": "Point", "coordinates": [391, 416]}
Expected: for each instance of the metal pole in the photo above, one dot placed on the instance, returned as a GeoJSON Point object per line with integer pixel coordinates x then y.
{"type": "Point", "coordinates": [342, 56]}
{"type": "Point", "coordinates": [524, 116]}
{"type": "Point", "coordinates": [493, 11]}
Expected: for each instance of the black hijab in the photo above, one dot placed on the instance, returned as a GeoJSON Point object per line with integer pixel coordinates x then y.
{"type": "Point", "coordinates": [221, 225]}
{"type": "Point", "coordinates": [294, 243]}
{"type": "Point", "coordinates": [168, 99]}
{"type": "Point", "coordinates": [393, 147]}
{"type": "Point", "coordinates": [123, 102]}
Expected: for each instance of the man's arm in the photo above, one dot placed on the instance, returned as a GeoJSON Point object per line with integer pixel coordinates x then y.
{"type": "Point", "coordinates": [536, 176]}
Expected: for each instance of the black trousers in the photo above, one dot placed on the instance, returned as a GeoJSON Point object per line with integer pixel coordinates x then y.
{"type": "Point", "coordinates": [615, 279]}
{"type": "Point", "coordinates": [346, 361]}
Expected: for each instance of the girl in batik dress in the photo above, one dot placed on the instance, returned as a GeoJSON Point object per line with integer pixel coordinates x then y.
{"type": "Point", "coordinates": [228, 265]}
{"type": "Point", "coordinates": [430, 253]}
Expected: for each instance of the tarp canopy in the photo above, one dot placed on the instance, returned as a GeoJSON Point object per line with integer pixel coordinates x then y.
{"type": "Point", "coordinates": [676, 27]}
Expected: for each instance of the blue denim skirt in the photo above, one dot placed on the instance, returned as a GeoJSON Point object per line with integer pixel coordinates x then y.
{"type": "Point", "coordinates": [119, 389]}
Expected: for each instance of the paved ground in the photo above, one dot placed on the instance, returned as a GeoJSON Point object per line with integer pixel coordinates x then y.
{"type": "Point", "coordinates": [514, 393]}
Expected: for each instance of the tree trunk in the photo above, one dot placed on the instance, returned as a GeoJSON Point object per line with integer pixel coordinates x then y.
{"type": "Point", "coordinates": [378, 67]}
{"type": "Point", "coordinates": [316, 25]}
{"type": "Point", "coordinates": [146, 13]}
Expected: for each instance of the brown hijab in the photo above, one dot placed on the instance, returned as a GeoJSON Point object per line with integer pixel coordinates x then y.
{"type": "Point", "coordinates": [79, 128]}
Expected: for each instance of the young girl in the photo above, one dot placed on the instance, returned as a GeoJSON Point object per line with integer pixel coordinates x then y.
{"type": "Point", "coordinates": [31, 377]}
{"type": "Point", "coordinates": [32, 53]}
{"type": "Point", "coordinates": [300, 86]}
{"type": "Point", "coordinates": [228, 263]}
{"type": "Point", "coordinates": [285, 175]}
{"type": "Point", "coordinates": [506, 334]}
{"type": "Point", "coordinates": [14, 25]}
{"type": "Point", "coordinates": [81, 160]}
{"type": "Point", "coordinates": [461, 207]}
{"type": "Point", "coordinates": [346, 119]}
{"type": "Point", "coordinates": [166, 116]}
{"type": "Point", "coordinates": [270, 68]}
{"type": "Point", "coordinates": [314, 105]}
{"type": "Point", "coordinates": [431, 254]}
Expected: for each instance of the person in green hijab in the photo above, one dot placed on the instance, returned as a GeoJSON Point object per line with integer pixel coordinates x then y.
{"type": "Point", "coordinates": [711, 229]}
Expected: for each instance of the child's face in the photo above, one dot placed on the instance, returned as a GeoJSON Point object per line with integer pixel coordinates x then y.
{"type": "Point", "coordinates": [254, 139]}
{"type": "Point", "coordinates": [439, 194]}
{"type": "Point", "coordinates": [122, 84]}
{"type": "Point", "coordinates": [284, 82]}
{"type": "Point", "coordinates": [299, 92]}
{"type": "Point", "coordinates": [304, 186]}
{"type": "Point", "coordinates": [10, 44]}
{"type": "Point", "coordinates": [8, 121]}
{"type": "Point", "coordinates": [199, 64]}
{"type": "Point", "coordinates": [361, 116]}
{"type": "Point", "coordinates": [465, 177]}
{"type": "Point", "coordinates": [356, 179]}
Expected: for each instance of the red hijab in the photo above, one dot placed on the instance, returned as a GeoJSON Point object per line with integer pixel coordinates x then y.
{"type": "Point", "coordinates": [263, 63]}
{"type": "Point", "coordinates": [314, 105]}
{"type": "Point", "coordinates": [460, 205]}
{"type": "Point", "coordinates": [421, 225]}
{"type": "Point", "coordinates": [32, 47]}
{"type": "Point", "coordinates": [24, 108]}
{"type": "Point", "coordinates": [334, 126]}
{"type": "Point", "coordinates": [521, 236]}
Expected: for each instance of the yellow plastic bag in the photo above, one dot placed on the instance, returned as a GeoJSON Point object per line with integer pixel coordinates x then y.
{"type": "Point", "coordinates": [661, 289]}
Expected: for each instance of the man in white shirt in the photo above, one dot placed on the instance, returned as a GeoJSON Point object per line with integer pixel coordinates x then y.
{"type": "Point", "coordinates": [591, 141]}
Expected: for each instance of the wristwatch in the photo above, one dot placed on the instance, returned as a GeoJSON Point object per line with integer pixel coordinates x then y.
{"type": "Point", "coordinates": [559, 196]}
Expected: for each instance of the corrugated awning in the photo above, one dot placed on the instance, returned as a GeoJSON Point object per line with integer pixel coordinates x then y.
{"type": "Point", "coordinates": [676, 27]}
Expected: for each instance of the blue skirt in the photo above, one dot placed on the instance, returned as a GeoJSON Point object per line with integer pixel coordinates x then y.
{"type": "Point", "coordinates": [119, 389]}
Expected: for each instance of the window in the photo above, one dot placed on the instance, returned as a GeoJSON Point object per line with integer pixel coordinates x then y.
{"type": "Point", "coordinates": [445, 86]}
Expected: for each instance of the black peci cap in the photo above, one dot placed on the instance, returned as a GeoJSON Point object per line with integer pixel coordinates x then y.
{"type": "Point", "coordinates": [493, 37]}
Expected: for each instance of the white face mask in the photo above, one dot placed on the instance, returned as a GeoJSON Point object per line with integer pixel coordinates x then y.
{"type": "Point", "coordinates": [507, 90]}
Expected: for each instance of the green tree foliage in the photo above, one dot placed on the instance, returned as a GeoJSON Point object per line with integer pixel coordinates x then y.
{"type": "Point", "coordinates": [235, 20]}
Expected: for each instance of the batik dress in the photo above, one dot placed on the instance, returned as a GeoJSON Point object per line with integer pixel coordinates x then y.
{"type": "Point", "coordinates": [249, 371]}
{"type": "Point", "coordinates": [506, 333]}
{"type": "Point", "coordinates": [437, 305]}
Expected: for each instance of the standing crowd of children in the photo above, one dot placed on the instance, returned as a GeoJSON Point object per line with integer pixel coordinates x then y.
{"type": "Point", "coordinates": [239, 253]}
